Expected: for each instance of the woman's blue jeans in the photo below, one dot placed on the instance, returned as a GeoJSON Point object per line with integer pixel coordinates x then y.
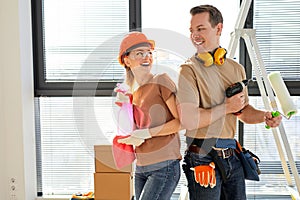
{"type": "Point", "coordinates": [231, 189]}
{"type": "Point", "coordinates": [157, 181]}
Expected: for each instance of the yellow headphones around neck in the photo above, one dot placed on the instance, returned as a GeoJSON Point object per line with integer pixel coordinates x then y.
{"type": "Point", "coordinates": [217, 57]}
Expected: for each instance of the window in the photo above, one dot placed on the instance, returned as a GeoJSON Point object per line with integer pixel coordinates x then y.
{"type": "Point", "coordinates": [76, 30]}
{"type": "Point", "coordinates": [174, 16]}
{"type": "Point", "coordinates": [75, 48]}
{"type": "Point", "coordinates": [276, 23]}
{"type": "Point", "coordinates": [261, 141]}
{"type": "Point", "coordinates": [277, 28]}
{"type": "Point", "coordinates": [76, 43]}
{"type": "Point", "coordinates": [75, 55]}
{"type": "Point", "coordinates": [69, 128]}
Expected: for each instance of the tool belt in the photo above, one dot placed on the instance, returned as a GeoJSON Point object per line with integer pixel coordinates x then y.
{"type": "Point", "coordinates": [223, 153]}
{"type": "Point", "coordinates": [205, 146]}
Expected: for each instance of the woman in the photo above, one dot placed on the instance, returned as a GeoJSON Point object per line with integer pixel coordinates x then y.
{"type": "Point", "coordinates": [155, 137]}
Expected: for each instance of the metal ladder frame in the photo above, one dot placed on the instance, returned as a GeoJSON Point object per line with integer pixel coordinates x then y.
{"type": "Point", "coordinates": [249, 36]}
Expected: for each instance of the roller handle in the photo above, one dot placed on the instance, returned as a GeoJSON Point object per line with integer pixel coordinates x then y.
{"type": "Point", "coordinates": [274, 114]}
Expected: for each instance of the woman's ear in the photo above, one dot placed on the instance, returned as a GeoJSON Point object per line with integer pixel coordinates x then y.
{"type": "Point", "coordinates": [127, 62]}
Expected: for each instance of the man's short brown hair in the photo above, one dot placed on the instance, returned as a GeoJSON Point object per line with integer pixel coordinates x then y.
{"type": "Point", "coordinates": [215, 16]}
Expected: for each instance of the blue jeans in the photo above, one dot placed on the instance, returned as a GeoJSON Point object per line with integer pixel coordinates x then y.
{"type": "Point", "coordinates": [157, 181]}
{"type": "Point", "coordinates": [231, 189]}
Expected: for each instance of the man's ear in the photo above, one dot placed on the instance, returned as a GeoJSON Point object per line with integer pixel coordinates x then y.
{"type": "Point", "coordinates": [219, 28]}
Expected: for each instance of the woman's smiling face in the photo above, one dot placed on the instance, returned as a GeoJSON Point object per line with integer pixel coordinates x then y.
{"type": "Point", "coordinates": [139, 57]}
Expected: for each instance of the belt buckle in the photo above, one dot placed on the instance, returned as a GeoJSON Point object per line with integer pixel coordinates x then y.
{"type": "Point", "coordinates": [223, 153]}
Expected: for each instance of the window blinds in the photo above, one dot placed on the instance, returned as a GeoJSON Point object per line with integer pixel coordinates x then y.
{"type": "Point", "coordinates": [81, 44]}
{"type": "Point", "coordinates": [70, 126]}
{"type": "Point", "coordinates": [81, 39]}
{"type": "Point", "coordinates": [261, 141]}
{"type": "Point", "coordinates": [68, 130]}
{"type": "Point", "coordinates": [277, 30]}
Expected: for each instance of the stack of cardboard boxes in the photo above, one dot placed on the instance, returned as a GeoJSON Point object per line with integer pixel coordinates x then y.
{"type": "Point", "coordinates": [111, 183]}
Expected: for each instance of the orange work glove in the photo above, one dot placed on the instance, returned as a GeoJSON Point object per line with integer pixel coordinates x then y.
{"type": "Point", "coordinates": [205, 175]}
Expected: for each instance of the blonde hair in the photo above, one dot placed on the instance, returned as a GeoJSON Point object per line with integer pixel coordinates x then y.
{"type": "Point", "coordinates": [129, 79]}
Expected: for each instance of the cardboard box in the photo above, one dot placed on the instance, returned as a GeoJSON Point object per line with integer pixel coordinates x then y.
{"type": "Point", "coordinates": [104, 160]}
{"type": "Point", "coordinates": [113, 186]}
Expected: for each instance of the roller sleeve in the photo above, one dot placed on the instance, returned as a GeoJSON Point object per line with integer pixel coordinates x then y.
{"type": "Point", "coordinates": [282, 93]}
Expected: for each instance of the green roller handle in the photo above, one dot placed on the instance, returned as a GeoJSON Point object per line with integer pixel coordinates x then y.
{"type": "Point", "coordinates": [274, 114]}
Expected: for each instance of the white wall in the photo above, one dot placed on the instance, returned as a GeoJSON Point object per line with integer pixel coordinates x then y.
{"type": "Point", "coordinates": [17, 143]}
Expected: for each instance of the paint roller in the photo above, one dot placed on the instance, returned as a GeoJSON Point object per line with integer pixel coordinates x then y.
{"type": "Point", "coordinates": [283, 95]}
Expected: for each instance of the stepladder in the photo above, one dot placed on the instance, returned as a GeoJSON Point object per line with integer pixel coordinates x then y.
{"type": "Point", "coordinates": [280, 137]}
{"type": "Point", "coordinates": [269, 101]}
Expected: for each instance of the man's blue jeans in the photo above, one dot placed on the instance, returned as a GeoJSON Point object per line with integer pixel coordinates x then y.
{"type": "Point", "coordinates": [232, 189]}
{"type": "Point", "coordinates": [157, 181]}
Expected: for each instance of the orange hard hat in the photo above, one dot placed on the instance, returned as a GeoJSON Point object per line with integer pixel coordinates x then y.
{"type": "Point", "coordinates": [131, 41]}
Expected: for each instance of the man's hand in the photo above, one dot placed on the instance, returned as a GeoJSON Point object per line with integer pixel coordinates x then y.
{"type": "Point", "coordinates": [272, 119]}
{"type": "Point", "coordinates": [205, 175]}
{"type": "Point", "coordinates": [235, 103]}
{"type": "Point", "coordinates": [131, 140]}
{"type": "Point", "coordinates": [141, 133]}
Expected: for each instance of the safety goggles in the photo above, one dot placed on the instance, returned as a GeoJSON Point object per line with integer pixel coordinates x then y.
{"type": "Point", "coordinates": [139, 54]}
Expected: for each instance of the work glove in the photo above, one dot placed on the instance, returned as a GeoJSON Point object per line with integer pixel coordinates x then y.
{"type": "Point", "coordinates": [122, 88]}
{"type": "Point", "coordinates": [141, 133]}
{"type": "Point", "coordinates": [205, 175]}
{"type": "Point", "coordinates": [85, 196]}
{"type": "Point", "coordinates": [122, 98]}
{"type": "Point", "coordinates": [131, 140]}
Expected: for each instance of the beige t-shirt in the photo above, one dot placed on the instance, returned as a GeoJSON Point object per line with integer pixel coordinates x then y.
{"type": "Point", "coordinates": [151, 110]}
{"type": "Point", "coordinates": [205, 87]}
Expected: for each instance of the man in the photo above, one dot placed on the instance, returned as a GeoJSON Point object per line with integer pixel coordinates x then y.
{"type": "Point", "coordinates": [209, 117]}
